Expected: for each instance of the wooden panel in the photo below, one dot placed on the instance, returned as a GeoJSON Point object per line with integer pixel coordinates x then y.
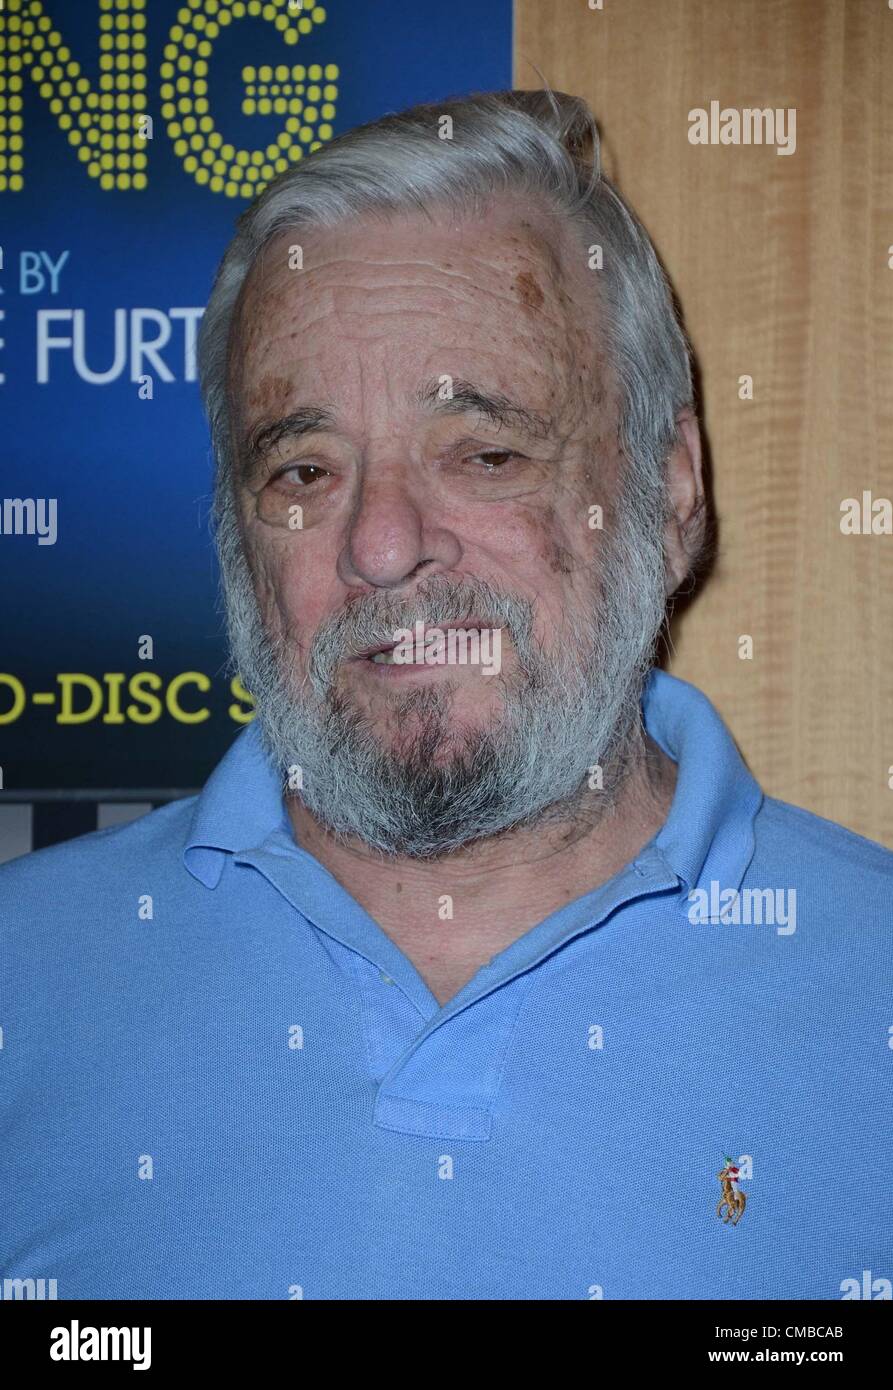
{"type": "Point", "coordinates": [781, 263]}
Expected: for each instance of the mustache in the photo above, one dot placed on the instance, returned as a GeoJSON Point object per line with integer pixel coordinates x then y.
{"type": "Point", "coordinates": [373, 619]}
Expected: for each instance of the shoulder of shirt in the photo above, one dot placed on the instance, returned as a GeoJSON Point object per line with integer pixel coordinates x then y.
{"type": "Point", "coordinates": [102, 855]}
{"type": "Point", "coordinates": [824, 844]}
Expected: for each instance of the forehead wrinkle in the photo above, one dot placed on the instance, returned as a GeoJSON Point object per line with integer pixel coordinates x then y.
{"type": "Point", "coordinates": [545, 342]}
{"type": "Point", "coordinates": [558, 359]}
{"type": "Point", "coordinates": [501, 257]}
{"type": "Point", "coordinates": [511, 226]}
{"type": "Point", "coordinates": [542, 401]}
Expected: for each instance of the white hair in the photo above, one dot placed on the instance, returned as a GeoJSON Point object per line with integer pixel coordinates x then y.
{"type": "Point", "coordinates": [543, 145]}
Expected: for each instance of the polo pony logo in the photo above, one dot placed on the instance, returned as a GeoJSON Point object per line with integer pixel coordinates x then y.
{"type": "Point", "coordinates": [733, 1199]}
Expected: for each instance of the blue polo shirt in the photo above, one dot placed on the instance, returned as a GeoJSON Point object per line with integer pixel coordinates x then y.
{"type": "Point", "coordinates": [221, 1079]}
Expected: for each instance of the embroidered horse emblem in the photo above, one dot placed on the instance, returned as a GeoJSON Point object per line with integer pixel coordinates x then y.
{"type": "Point", "coordinates": [733, 1199]}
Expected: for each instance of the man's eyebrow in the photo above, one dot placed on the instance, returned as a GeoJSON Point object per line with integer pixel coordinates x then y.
{"type": "Point", "coordinates": [268, 433]}
{"type": "Point", "coordinates": [493, 405]}
{"type": "Point", "coordinates": [465, 397]}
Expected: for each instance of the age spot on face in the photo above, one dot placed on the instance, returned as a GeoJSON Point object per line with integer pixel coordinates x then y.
{"type": "Point", "coordinates": [528, 288]}
{"type": "Point", "coordinates": [270, 391]}
{"type": "Point", "coordinates": [559, 559]}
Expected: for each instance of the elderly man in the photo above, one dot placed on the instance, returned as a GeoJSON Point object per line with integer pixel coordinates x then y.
{"type": "Point", "coordinates": [393, 1008]}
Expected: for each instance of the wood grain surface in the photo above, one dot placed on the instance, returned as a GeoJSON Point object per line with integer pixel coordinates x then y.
{"type": "Point", "coordinates": [782, 264]}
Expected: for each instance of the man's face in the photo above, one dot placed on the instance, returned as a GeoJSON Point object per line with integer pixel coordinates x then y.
{"type": "Point", "coordinates": [433, 396]}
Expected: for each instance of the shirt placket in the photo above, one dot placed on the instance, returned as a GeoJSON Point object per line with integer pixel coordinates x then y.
{"type": "Point", "coordinates": [438, 1070]}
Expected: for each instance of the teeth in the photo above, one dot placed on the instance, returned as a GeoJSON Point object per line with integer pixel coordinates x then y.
{"type": "Point", "coordinates": [384, 658]}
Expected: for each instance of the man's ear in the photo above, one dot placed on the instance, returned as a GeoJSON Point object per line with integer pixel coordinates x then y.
{"type": "Point", "coordinates": [685, 528]}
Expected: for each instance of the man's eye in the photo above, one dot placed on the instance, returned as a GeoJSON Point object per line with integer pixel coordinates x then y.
{"type": "Point", "coordinates": [303, 473]}
{"type": "Point", "coordinates": [494, 459]}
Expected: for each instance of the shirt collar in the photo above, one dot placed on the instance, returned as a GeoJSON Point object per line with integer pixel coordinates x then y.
{"type": "Point", "coordinates": [240, 805]}
{"type": "Point", "coordinates": [708, 834]}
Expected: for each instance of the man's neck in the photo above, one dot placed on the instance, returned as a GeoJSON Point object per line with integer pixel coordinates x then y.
{"type": "Point", "coordinates": [451, 914]}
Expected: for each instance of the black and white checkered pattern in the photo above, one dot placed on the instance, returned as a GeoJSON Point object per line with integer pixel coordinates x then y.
{"type": "Point", "coordinates": [30, 825]}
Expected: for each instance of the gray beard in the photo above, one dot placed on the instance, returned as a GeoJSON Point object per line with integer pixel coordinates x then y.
{"type": "Point", "coordinates": [436, 788]}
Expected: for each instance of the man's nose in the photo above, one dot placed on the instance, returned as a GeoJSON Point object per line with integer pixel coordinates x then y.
{"type": "Point", "coordinates": [392, 537]}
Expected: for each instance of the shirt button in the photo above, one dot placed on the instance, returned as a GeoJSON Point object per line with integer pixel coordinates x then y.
{"type": "Point", "coordinates": [385, 979]}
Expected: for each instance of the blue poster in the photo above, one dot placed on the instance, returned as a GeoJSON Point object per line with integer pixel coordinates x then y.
{"type": "Point", "coordinates": [132, 134]}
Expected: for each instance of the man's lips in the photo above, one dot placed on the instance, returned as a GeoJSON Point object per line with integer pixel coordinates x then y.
{"type": "Point", "coordinates": [466, 625]}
